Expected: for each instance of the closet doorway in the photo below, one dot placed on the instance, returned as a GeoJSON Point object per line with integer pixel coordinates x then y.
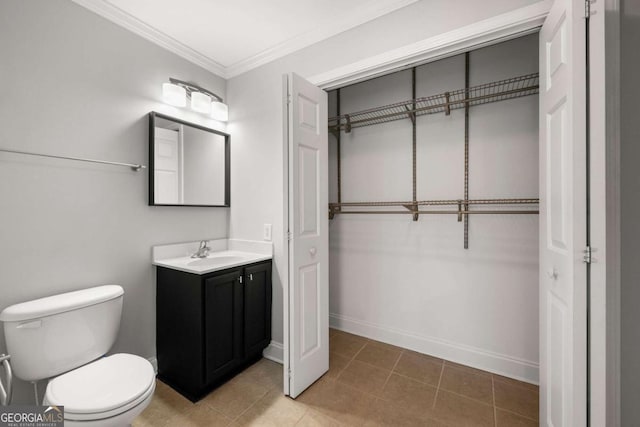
{"type": "Point", "coordinates": [558, 284]}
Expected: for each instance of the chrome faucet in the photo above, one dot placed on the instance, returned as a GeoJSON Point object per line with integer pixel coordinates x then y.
{"type": "Point", "coordinates": [202, 251]}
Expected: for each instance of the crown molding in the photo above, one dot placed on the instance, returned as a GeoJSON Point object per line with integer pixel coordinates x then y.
{"type": "Point", "coordinates": [506, 26]}
{"type": "Point", "coordinates": [133, 24]}
{"type": "Point", "coordinates": [365, 14]}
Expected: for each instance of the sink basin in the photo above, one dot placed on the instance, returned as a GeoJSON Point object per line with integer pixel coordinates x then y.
{"type": "Point", "coordinates": [218, 259]}
{"type": "Point", "coordinates": [214, 261]}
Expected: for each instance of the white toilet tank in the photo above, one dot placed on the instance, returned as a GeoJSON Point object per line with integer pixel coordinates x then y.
{"type": "Point", "coordinates": [52, 335]}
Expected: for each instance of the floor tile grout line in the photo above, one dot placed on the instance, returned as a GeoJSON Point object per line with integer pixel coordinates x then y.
{"type": "Point", "coordinates": [219, 413]}
{"type": "Point", "coordinates": [306, 410]}
{"type": "Point", "coordinates": [516, 413]}
{"type": "Point", "coordinates": [415, 379]}
{"type": "Point", "coordinates": [251, 406]}
{"type": "Point", "coordinates": [368, 364]}
{"type": "Point", "coordinates": [392, 370]}
{"type": "Point", "coordinates": [360, 351]}
{"type": "Point", "coordinates": [435, 398]}
{"type": "Point", "coordinates": [467, 397]}
{"type": "Point", "coordinates": [350, 360]}
{"type": "Point", "coordinates": [493, 394]}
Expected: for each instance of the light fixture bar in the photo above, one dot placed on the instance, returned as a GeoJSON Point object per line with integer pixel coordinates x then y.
{"type": "Point", "coordinates": [190, 87]}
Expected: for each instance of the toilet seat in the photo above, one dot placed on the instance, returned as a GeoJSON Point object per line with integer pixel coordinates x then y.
{"type": "Point", "coordinates": [103, 388]}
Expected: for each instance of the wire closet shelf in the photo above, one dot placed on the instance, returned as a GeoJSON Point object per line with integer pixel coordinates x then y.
{"type": "Point", "coordinates": [445, 102]}
{"type": "Point", "coordinates": [437, 207]}
{"type": "Point", "coordinates": [514, 87]}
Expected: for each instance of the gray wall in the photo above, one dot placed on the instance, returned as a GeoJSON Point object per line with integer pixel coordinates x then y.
{"type": "Point", "coordinates": [75, 84]}
{"type": "Point", "coordinates": [630, 212]}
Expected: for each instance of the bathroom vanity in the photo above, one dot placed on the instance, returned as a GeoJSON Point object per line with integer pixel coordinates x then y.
{"type": "Point", "coordinates": [213, 317]}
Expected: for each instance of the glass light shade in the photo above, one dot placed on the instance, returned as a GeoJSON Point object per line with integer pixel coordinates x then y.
{"type": "Point", "coordinates": [200, 102]}
{"type": "Point", "coordinates": [219, 111]}
{"type": "Point", "coordinates": [174, 94]}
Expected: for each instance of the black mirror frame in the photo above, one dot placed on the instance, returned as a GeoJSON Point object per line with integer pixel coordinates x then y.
{"type": "Point", "coordinates": [227, 160]}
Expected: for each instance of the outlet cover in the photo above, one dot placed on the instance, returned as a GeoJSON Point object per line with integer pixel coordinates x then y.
{"type": "Point", "coordinates": [266, 232]}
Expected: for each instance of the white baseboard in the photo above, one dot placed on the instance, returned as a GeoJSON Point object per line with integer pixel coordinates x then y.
{"type": "Point", "coordinates": [275, 352]}
{"type": "Point", "coordinates": [501, 364]}
{"type": "Point", "coordinates": [154, 362]}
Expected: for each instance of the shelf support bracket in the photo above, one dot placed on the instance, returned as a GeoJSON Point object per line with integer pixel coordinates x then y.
{"type": "Point", "coordinates": [459, 210]}
{"type": "Point", "coordinates": [411, 114]}
{"type": "Point", "coordinates": [347, 126]}
{"type": "Point", "coordinates": [413, 207]}
{"type": "Point", "coordinates": [447, 105]}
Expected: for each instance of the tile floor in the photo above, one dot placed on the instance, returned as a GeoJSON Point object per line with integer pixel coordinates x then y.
{"type": "Point", "coordinates": [368, 384]}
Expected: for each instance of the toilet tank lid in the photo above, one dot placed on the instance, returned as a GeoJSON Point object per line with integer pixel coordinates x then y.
{"type": "Point", "coordinates": [60, 303]}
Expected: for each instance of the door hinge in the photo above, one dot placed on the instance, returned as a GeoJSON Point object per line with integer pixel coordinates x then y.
{"type": "Point", "coordinates": [587, 8]}
{"type": "Point", "coordinates": [288, 235]}
{"type": "Point", "coordinates": [587, 258]}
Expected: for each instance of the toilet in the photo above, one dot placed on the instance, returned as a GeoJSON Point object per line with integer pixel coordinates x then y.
{"type": "Point", "coordinates": [64, 338]}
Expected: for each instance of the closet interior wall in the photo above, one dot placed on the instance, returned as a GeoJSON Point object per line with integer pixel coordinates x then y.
{"type": "Point", "coordinates": [412, 283]}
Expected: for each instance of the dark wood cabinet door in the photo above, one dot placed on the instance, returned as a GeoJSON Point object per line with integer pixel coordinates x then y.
{"type": "Point", "coordinates": [223, 323]}
{"type": "Point", "coordinates": [179, 328]}
{"type": "Point", "coordinates": [257, 308]}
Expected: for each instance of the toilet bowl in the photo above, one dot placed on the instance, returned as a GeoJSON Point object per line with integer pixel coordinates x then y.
{"type": "Point", "coordinates": [64, 338]}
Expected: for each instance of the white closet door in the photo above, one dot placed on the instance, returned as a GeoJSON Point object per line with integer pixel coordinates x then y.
{"type": "Point", "coordinates": [563, 280]}
{"type": "Point", "coordinates": [308, 343]}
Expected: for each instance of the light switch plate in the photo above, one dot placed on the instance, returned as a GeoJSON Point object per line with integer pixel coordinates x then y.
{"type": "Point", "coordinates": [266, 232]}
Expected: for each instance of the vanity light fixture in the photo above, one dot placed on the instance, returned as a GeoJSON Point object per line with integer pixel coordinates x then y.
{"type": "Point", "coordinates": [176, 92]}
{"type": "Point", "coordinates": [173, 94]}
{"type": "Point", "coordinates": [219, 111]}
{"type": "Point", "coordinates": [200, 102]}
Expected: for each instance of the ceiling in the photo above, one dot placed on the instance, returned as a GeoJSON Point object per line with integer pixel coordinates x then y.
{"type": "Point", "coordinates": [233, 36]}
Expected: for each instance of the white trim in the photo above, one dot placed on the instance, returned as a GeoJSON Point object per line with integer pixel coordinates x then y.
{"type": "Point", "coordinates": [136, 26]}
{"type": "Point", "coordinates": [508, 366]}
{"type": "Point", "coordinates": [285, 234]}
{"type": "Point", "coordinates": [502, 27]}
{"type": "Point", "coordinates": [274, 352]}
{"type": "Point", "coordinates": [365, 14]}
{"type": "Point", "coordinates": [118, 16]}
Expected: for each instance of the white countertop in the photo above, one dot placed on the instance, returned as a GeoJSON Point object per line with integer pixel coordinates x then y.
{"type": "Point", "coordinates": [240, 252]}
{"type": "Point", "coordinates": [215, 261]}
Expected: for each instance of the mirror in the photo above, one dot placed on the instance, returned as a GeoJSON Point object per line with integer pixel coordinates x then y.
{"type": "Point", "coordinates": [188, 163]}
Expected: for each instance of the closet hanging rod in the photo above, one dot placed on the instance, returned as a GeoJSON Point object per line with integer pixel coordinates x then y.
{"type": "Point", "coordinates": [492, 212]}
{"type": "Point", "coordinates": [133, 166]}
{"type": "Point", "coordinates": [526, 201]}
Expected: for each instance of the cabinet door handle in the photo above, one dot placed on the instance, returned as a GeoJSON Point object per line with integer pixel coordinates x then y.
{"type": "Point", "coordinates": [240, 279]}
{"type": "Point", "coordinates": [251, 277]}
